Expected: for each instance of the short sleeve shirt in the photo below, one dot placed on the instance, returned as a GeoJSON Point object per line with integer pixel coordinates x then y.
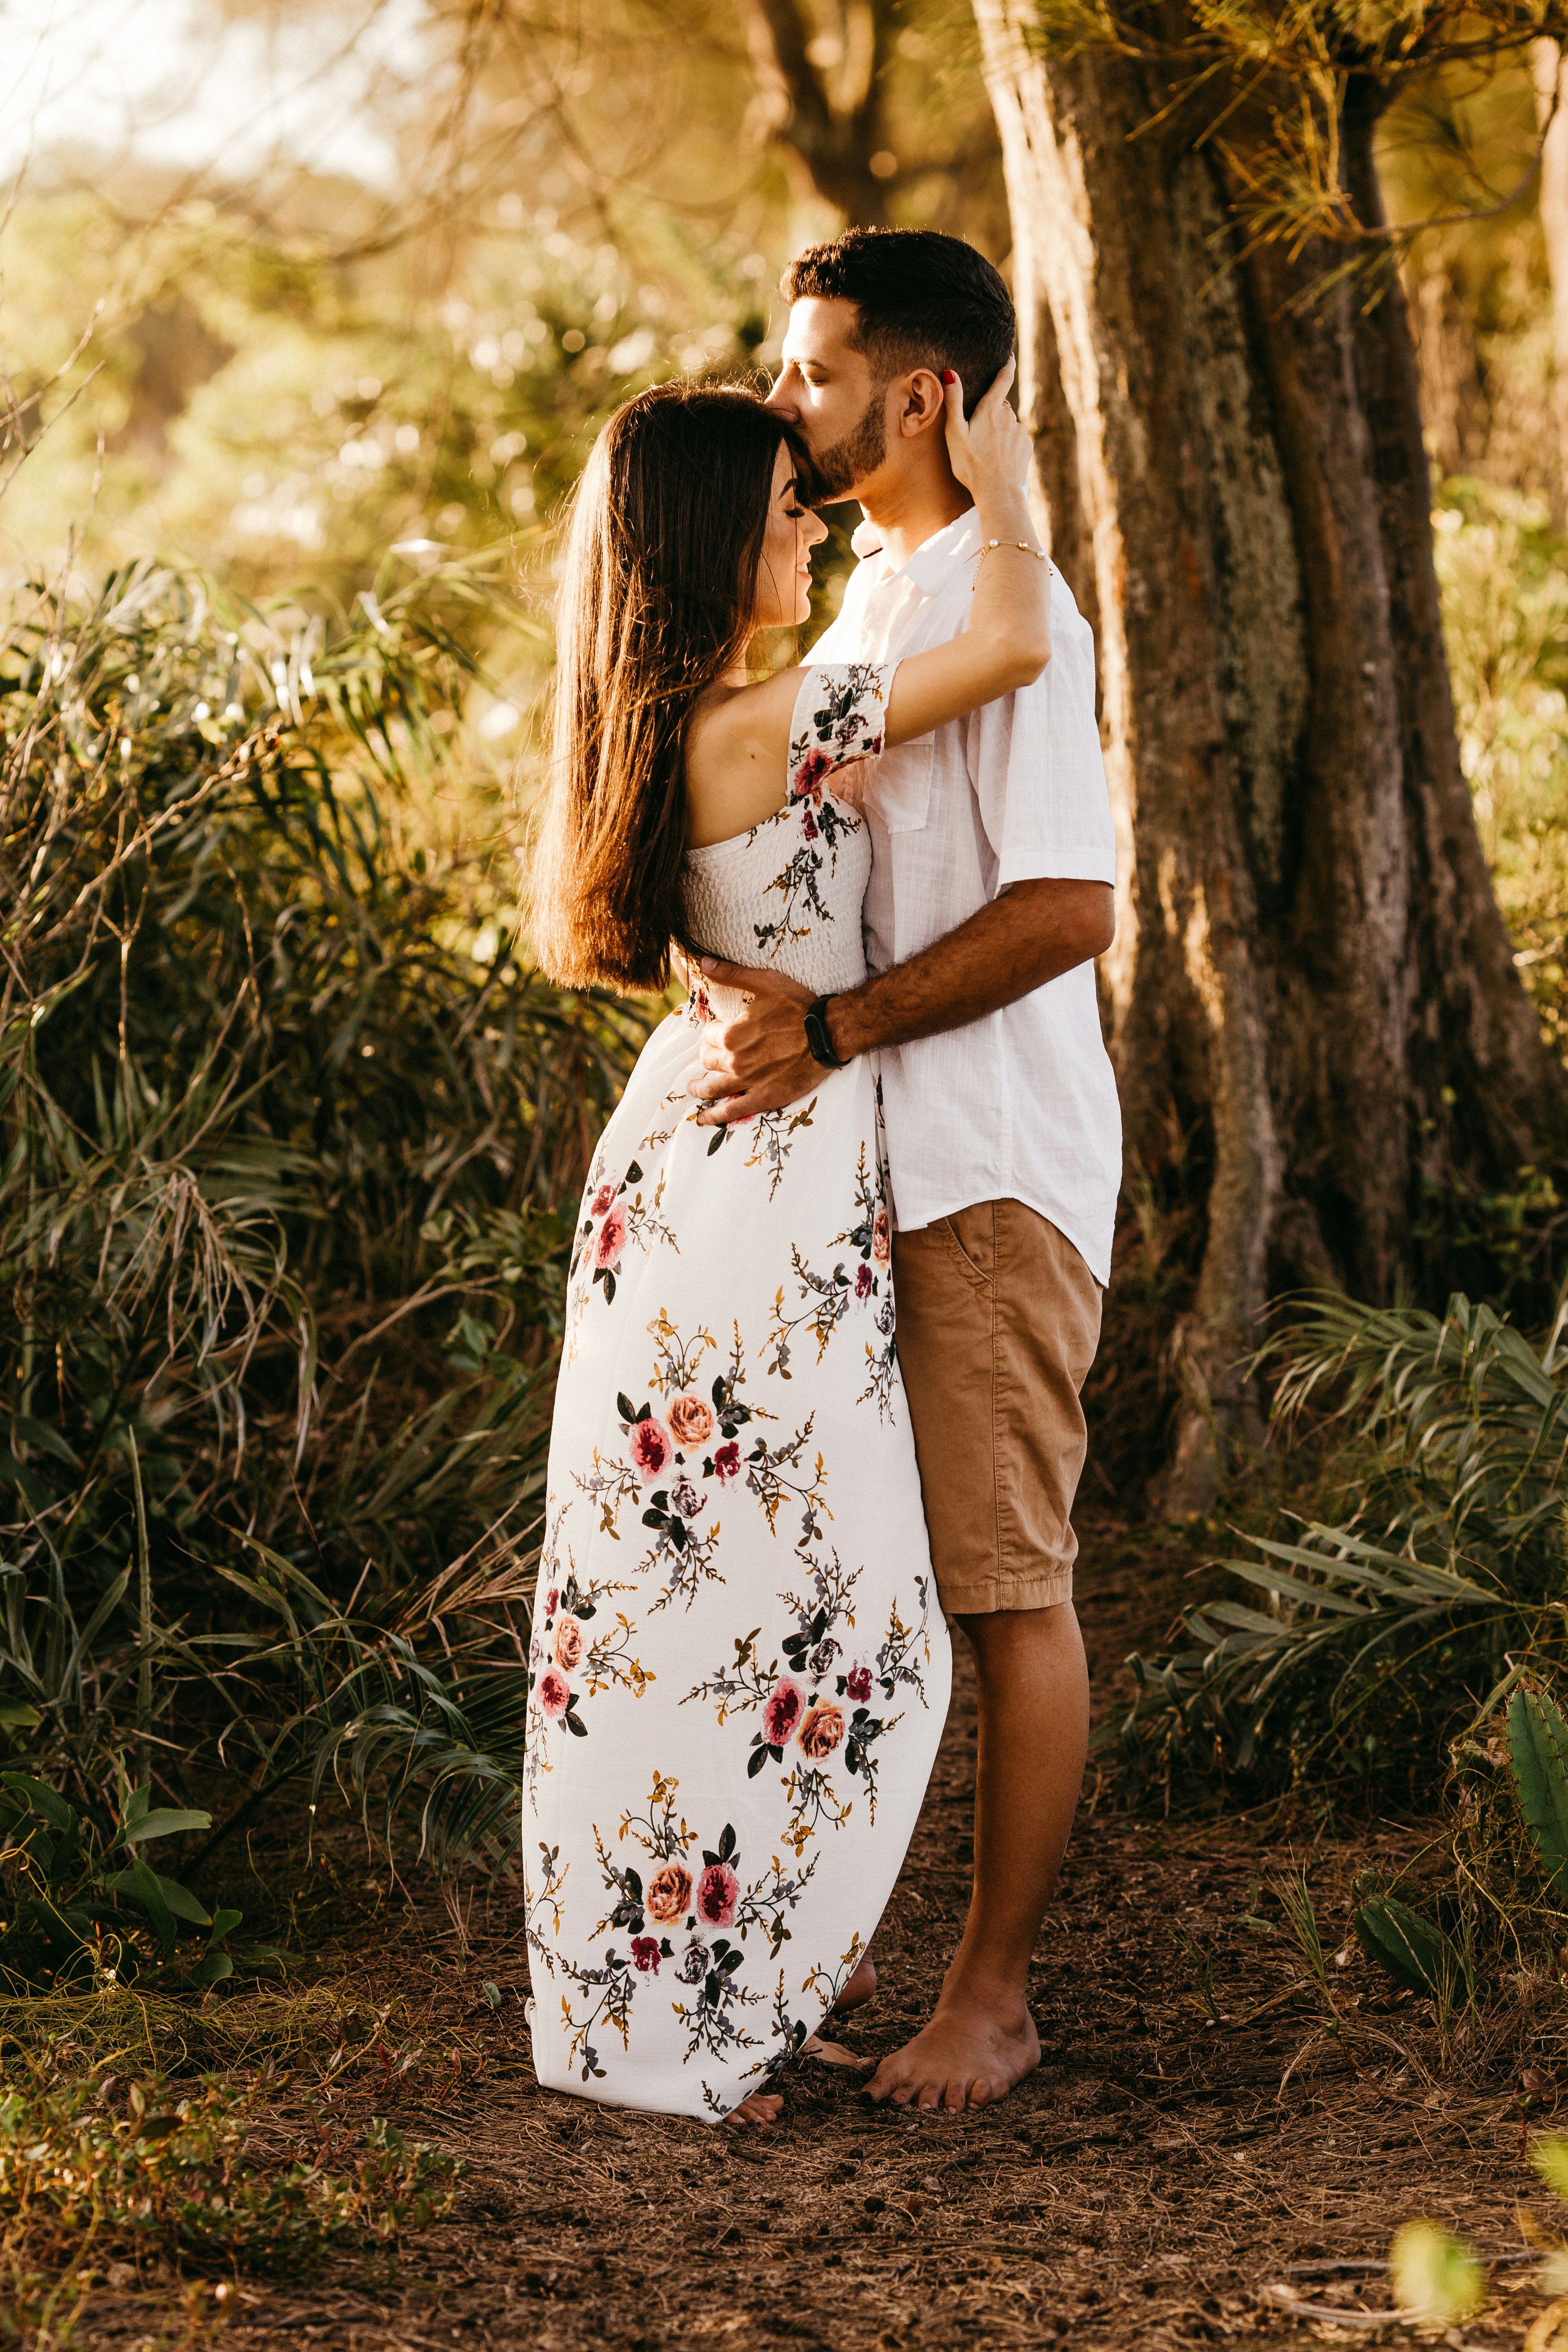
{"type": "Point", "coordinates": [1020, 1105]}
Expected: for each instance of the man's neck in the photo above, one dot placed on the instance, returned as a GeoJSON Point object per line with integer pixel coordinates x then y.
{"type": "Point", "coordinates": [907, 513]}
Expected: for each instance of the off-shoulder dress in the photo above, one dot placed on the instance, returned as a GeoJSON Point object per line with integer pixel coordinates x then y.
{"type": "Point", "coordinates": [739, 1669]}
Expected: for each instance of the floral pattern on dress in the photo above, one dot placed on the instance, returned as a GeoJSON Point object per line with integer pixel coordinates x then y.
{"type": "Point", "coordinates": [738, 1672]}
{"type": "Point", "coordinates": [827, 1300]}
{"type": "Point", "coordinates": [818, 1702]}
{"type": "Point", "coordinates": [616, 1216]}
{"type": "Point", "coordinates": [720, 1909]}
{"type": "Point", "coordinates": [847, 723]}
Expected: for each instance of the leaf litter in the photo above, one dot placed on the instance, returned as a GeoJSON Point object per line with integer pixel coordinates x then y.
{"type": "Point", "coordinates": [1228, 2128]}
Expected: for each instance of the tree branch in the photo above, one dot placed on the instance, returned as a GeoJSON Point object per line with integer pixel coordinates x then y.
{"type": "Point", "coordinates": [835, 143]}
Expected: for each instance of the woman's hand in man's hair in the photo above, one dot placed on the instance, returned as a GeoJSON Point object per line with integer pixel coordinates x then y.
{"type": "Point", "coordinates": [990, 452]}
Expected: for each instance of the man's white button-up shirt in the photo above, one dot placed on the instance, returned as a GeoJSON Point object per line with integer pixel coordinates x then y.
{"type": "Point", "coordinates": [1020, 1105]}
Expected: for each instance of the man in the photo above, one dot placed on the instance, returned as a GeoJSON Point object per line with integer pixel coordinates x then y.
{"type": "Point", "coordinates": [991, 892]}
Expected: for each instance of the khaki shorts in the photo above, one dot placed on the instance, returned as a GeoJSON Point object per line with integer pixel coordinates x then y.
{"type": "Point", "coordinates": [998, 1318]}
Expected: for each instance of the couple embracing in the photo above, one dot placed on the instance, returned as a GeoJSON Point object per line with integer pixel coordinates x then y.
{"type": "Point", "coordinates": [837, 1272]}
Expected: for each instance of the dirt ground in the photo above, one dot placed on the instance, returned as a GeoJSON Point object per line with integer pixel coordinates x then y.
{"type": "Point", "coordinates": [1193, 2138]}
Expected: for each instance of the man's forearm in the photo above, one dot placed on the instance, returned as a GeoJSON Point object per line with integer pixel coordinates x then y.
{"type": "Point", "coordinates": [759, 1060]}
{"type": "Point", "coordinates": [1031, 934]}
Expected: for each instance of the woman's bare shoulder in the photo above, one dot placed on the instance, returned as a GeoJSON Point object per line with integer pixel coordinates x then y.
{"type": "Point", "coordinates": [737, 754]}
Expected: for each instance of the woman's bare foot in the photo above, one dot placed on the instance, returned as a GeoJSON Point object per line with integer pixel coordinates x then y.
{"type": "Point", "coordinates": [858, 1990]}
{"type": "Point", "coordinates": [765, 2106]}
{"type": "Point", "coordinates": [832, 2054]}
{"type": "Point", "coordinates": [970, 2056]}
{"type": "Point", "coordinates": [761, 2107]}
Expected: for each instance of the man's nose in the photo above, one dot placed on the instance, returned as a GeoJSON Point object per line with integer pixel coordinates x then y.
{"type": "Point", "coordinates": [780, 396]}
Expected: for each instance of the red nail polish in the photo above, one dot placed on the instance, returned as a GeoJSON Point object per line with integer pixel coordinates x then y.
{"type": "Point", "coordinates": [948, 376]}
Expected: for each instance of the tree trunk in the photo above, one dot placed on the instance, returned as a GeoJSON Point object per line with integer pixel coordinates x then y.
{"type": "Point", "coordinates": [1453, 397]}
{"type": "Point", "coordinates": [1551, 85]}
{"type": "Point", "coordinates": [1311, 996]}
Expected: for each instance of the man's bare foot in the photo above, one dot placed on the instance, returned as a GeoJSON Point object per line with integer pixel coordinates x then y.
{"type": "Point", "coordinates": [761, 2107]}
{"type": "Point", "coordinates": [858, 1990]}
{"type": "Point", "coordinates": [970, 2056]}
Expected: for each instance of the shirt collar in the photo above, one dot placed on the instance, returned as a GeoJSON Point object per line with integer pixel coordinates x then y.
{"type": "Point", "coordinates": [935, 560]}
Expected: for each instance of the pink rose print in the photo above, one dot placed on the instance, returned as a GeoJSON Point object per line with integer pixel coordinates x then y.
{"type": "Point", "coordinates": [782, 1713]}
{"type": "Point", "coordinates": [555, 1693]}
{"type": "Point", "coordinates": [645, 1954]}
{"type": "Point", "coordinates": [880, 1238]}
{"type": "Point", "coordinates": [650, 1450]}
{"type": "Point", "coordinates": [718, 1892]}
{"type": "Point", "coordinates": [727, 1461]}
{"type": "Point", "coordinates": [611, 1240]}
{"type": "Point", "coordinates": [822, 1731]}
{"type": "Point", "coordinates": [552, 1600]}
{"type": "Point", "coordinates": [603, 1200]}
{"type": "Point", "coordinates": [691, 1421]}
{"type": "Point", "coordinates": [857, 1681]}
{"type": "Point", "coordinates": [862, 1282]}
{"type": "Point", "coordinates": [809, 775]}
{"type": "Point", "coordinates": [568, 1644]}
{"type": "Point", "coordinates": [669, 1894]}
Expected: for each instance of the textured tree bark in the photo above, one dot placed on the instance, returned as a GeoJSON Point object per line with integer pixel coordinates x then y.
{"type": "Point", "coordinates": [1311, 994]}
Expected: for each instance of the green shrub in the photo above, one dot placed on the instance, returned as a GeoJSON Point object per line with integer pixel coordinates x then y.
{"type": "Point", "coordinates": [289, 1142]}
{"type": "Point", "coordinates": [1367, 1642]}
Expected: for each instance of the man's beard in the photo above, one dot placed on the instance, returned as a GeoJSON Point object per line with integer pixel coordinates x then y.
{"type": "Point", "coordinates": [848, 461]}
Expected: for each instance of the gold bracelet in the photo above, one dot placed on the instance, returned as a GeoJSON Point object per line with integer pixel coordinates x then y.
{"type": "Point", "coordinates": [1021, 544]}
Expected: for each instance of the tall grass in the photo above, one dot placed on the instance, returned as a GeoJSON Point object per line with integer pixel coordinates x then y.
{"type": "Point", "coordinates": [287, 1178]}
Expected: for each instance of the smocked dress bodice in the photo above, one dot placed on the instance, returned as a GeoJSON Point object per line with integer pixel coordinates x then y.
{"type": "Point", "coordinates": [787, 894]}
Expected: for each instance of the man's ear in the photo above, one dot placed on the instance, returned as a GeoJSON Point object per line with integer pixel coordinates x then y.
{"type": "Point", "coordinates": [923, 403]}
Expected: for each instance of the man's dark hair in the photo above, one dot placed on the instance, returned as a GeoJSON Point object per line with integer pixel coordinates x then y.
{"type": "Point", "coordinates": [925, 300]}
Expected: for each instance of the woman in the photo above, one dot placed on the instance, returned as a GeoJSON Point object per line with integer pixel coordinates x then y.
{"type": "Point", "coordinates": [739, 1670]}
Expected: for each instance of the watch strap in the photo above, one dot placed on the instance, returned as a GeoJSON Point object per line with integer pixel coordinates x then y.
{"type": "Point", "coordinates": [818, 1036]}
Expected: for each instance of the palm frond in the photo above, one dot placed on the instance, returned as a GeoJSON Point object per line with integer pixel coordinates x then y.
{"type": "Point", "coordinates": [1376, 1635]}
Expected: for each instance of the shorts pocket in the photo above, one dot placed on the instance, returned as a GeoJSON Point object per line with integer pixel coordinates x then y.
{"type": "Point", "coordinates": [970, 1241]}
{"type": "Point", "coordinates": [898, 788]}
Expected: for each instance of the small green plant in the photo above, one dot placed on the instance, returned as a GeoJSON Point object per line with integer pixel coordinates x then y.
{"type": "Point", "coordinates": [1420, 1953]}
{"type": "Point", "coordinates": [68, 1925]}
{"type": "Point", "coordinates": [1549, 2161]}
{"type": "Point", "coordinates": [1408, 1946]}
{"type": "Point", "coordinates": [1538, 1754]}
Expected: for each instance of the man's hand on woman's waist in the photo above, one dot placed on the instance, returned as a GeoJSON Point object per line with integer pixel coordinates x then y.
{"type": "Point", "coordinates": [759, 1060]}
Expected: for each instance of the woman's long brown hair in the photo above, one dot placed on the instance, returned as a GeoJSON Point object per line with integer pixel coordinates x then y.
{"type": "Point", "coordinates": [657, 602]}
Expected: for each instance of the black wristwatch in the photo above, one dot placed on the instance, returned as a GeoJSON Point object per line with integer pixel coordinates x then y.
{"type": "Point", "coordinates": [817, 1038]}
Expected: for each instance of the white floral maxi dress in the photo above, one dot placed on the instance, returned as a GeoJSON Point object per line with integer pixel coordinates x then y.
{"type": "Point", "coordinates": [739, 1669]}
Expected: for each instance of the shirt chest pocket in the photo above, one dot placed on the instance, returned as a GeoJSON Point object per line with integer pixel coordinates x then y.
{"type": "Point", "coordinates": [898, 792]}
